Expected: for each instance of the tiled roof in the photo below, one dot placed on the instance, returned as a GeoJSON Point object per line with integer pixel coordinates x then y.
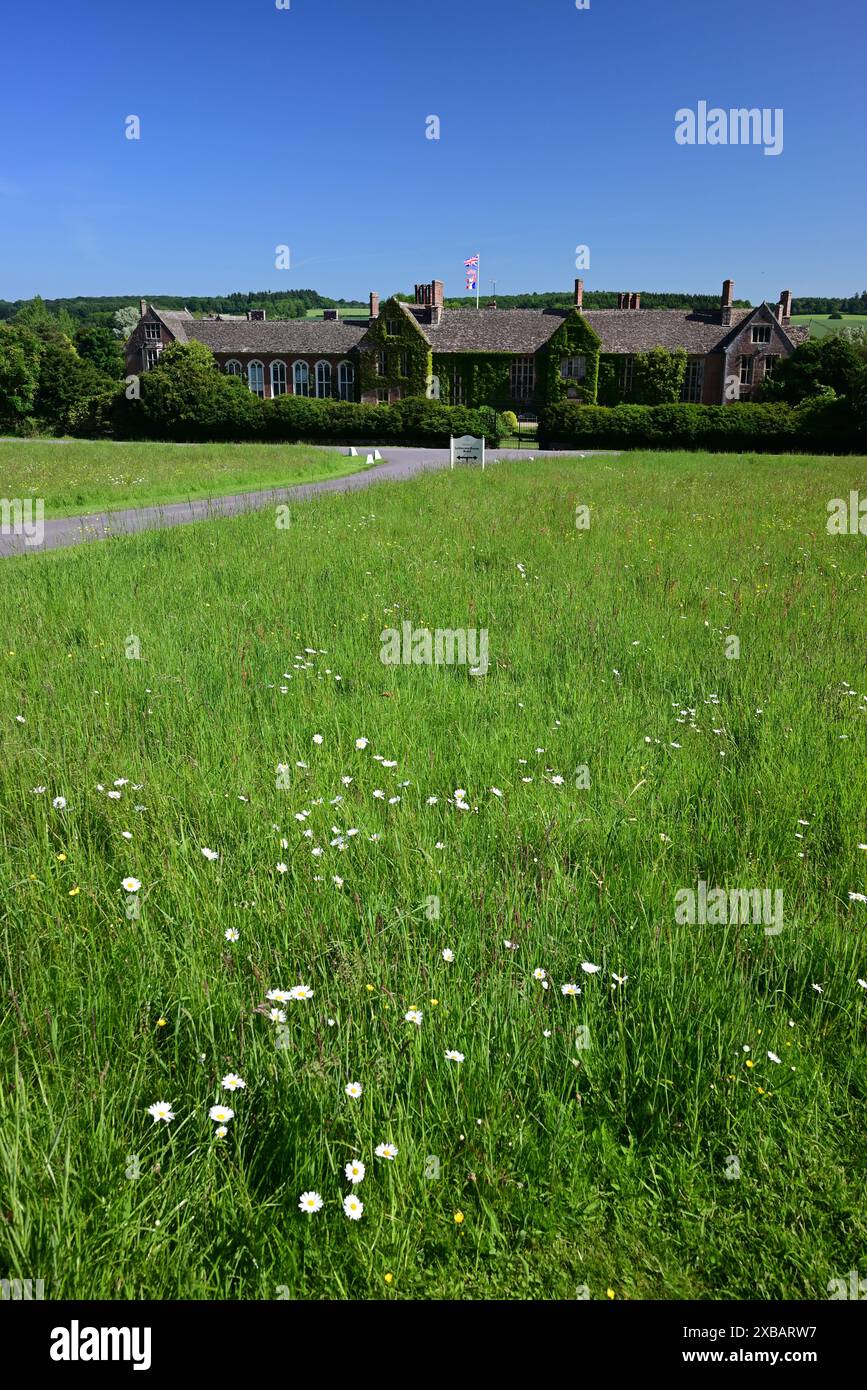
{"type": "Point", "coordinates": [493, 330]}
{"type": "Point", "coordinates": [245, 336]}
{"type": "Point", "coordinates": [639, 330]}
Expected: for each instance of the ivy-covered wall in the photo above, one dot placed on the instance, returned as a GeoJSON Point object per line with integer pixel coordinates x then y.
{"type": "Point", "coordinates": [413, 375]}
{"type": "Point", "coordinates": [484, 377]}
{"type": "Point", "coordinates": [657, 377]}
{"type": "Point", "coordinates": [575, 338]}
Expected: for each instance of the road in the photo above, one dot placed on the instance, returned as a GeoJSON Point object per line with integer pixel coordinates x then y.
{"type": "Point", "coordinates": [400, 465]}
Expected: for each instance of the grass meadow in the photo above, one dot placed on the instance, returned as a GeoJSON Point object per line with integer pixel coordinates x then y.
{"type": "Point", "coordinates": [822, 324]}
{"type": "Point", "coordinates": [76, 475]}
{"type": "Point", "coordinates": [689, 1124]}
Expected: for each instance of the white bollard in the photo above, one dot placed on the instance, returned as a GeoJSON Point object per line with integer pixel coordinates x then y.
{"type": "Point", "coordinates": [370, 458]}
{"type": "Point", "coordinates": [377, 455]}
{"type": "Point", "coordinates": [353, 452]}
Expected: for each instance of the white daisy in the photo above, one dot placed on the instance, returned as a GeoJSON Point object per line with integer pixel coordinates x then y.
{"type": "Point", "coordinates": [278, 996]}
{"type": "Point", "coordinates": [413, 1016]}
{"type": "Point", "coordinates": [569, 988]}
{"type": "Point", "coordinates": [386, 1151]}
{"type": "Point", "coordinates": [162, 1110]}
{"type": "Point", "coordinates": [353, 1208]}
{"type": "Point", "coordinates": [590, 969]}
{"type": "Point", "coordinates": [277, 1015]}
{"type": "Point", "coordinates": [448, 955]}
{"type": "Point", "coordinates": [59, 802]}
{"type": "Point", "coordinates": [301, 992]}
{"type": "Point", "coordinates": [310, 1202]}
{"type": "Point", "coordinates": [355, 1170]}
{"type": "Point", "coordinates": [454, 1056]}
{"type": "Point", "coordinates": [210, 854]}
{"type": "Point", "coordinates": [232, 1082]}
{"type": "Point", "coordinates": [130, 885]}
{"type": "Point", "coordinates": [231, 933]}
{"type": "Point", "coordinates": [221, 1113]}
{"type": "Point", "coordinates": [361, 742]}
{"type": "Point", "coordinates": [352, 1088]}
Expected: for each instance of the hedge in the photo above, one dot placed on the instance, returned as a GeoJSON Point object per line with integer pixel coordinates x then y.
{"type": "Point", "coordinates": [817, 425]}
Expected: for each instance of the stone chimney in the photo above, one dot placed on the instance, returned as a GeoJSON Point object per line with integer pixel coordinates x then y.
{"type": "Point", "coordinates": [142, 307]}
{"type": "Point", "coordinates": [330, 315]}
{"type": "Point", "coordinates": [785, 308]}
{"type": "Point", "coordinates": [374, 306]}
{"type": "Point", "coordinates": [256, 315]}
{"type": "Point", "coordinates": [579, 296]}
{"type": "Point", "coordinates": [635, 301]}
{"type": "Point", "coordinates": [725, 304]}
{"type": "Point", "coordinates": [621, 301]}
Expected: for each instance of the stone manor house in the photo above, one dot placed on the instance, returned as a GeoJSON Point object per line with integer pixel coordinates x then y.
{"type": "Point", "coordinates": [519, 359]}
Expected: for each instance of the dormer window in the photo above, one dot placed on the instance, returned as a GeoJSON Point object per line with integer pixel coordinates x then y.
{"type": "Point", "coordinates": [761, 332]}
{"type": "Point", "coordinates": [573, 368]}
{"type": "Point", "coordinates": [152, 331]}
{"type": "Point", "coordinates": [392, 328]}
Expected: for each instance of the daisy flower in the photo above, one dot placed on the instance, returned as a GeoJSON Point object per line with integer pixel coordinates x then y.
{"type": "Point", "coordinates": [301, 992]}
{"type": "Point", "coordinates": [220, 1132]}
{"type": "Point", "coordinates": [858, 897]}
{"type": "Point", "coordinates": [130, 885]}
{"type": "Point", "coordinates": [352, 1208]}
{"type": "Point", "coordinates": [413, 1016]}
{"type": "Point", "coordinates": [773, 1056]}
{"type": "Point", "coordinates": [317, 738]}
{"type": "Point", "coordinates": [386, 1151]}
{"type": "Point", "coordinates": [59, 802]}
{"type": "Point", "coordinates": [310, 1202]}
{"type": "Point", "coordinates": [590, 969]}
{"type": "Point", "coordinates": [278, 996]}
{"type": "Point", "coordinates": [353, 1089]}
{"type": "Point", "coordinates": [231, 933]}
{"type": "Point", "coordinates": [221, 1113]}
{"type": "Point", "coordinates": [454, 1056]}
{"type": "Point", "coordinates": [161, 1110]}
{"type": "Point", "coordinates": [210, 854]}
{"type": "Point", "coordinates": [355, 1170]}
{"type": "Point", "coordinates": [569, 989]}
{"type": "Point", "coordinates": [277, 1015]}
{"type": "Point", "coordinates": [448, 955]}
{"type": "Point", "coordinates": [232, 1082]}
{"type": "Point", "coordinates": [539, 973]}
{"type": "Point", "coordinates": [361, 743]}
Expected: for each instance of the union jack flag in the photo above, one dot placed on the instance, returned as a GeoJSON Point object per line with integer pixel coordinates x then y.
{"type": "Point", "coordinates": [472, 269]}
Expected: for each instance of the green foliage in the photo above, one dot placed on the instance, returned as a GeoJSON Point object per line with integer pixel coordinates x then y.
{"type": "Point", "coordinates": [483, 376]}
{"type": "Point", "coordinates": [19, 374]}
{"type": "Point", "coordinates": [658, 376]}
{"type": "Point", "coordinates": [826, 426]}
{"type": "Point", "coordinates": [186, 397]}
{"type": "Point", "coordinates": [101, 348]}
{"type": "Point", "coordinates": [573, 339]}
{"type": "Point", "coordinates": [124, 321]}
{"type": "Point", "coordinates": [407, 348]}
{"type": "Point", "coordinates": [511, 421]}
{"type": "Point", "coordinates": [838, 361]}
{"type": "Point", "coordinates": [412, 420]}
{"type": "Point", "coordinates": [65, 383]}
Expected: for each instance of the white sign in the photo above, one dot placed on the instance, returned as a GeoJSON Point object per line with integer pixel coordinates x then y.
{"type": "Point", "coordinates": [467, 449]}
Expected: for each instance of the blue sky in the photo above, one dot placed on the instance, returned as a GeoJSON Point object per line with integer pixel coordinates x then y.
{"type": "Point", "coordinates": [306, 127]}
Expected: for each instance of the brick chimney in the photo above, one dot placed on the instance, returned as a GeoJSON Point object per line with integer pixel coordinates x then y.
{"type": "Point", "coordinates": [374, 305]}
{"type": "Point", "coordinates": [635, 301]}
{"type": "Point", "coordinates": [579, 296]}
{"type": "Point", "coordinates": [785, 308]}
{"type": "Point", "coordinates": [621, 301]}
{"type": "Point", "coordinates": [256, 315]}
{"type": "Point", "coordinates": [329, 315]}
{"type": "Point", "coordinates": [725, 304]}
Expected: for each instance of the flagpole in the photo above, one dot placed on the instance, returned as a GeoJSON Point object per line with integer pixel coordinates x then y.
{"type": "Point", "coordinates": [478, 278]}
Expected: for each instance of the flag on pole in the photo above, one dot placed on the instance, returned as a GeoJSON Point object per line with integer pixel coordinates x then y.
{"type": "Point", "coordinates": [472, 269]}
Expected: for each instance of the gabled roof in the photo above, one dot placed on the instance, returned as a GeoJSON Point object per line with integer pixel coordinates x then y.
{"type": "Point", "coordinates": [765, 313]}
{"type": "Point", "coordinates": [493, 330]}
{"type": "Point", "coordinates": [639, 330]}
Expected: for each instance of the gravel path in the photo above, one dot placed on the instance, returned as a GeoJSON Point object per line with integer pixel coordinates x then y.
{"type": "Point", "coordinates": [397, 467]}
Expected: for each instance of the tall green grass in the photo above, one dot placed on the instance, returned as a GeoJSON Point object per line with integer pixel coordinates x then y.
{"type": "Point", "coordinates": [577, 1169]}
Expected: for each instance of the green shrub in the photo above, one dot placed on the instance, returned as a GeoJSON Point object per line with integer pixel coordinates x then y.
{"type": "Point", "coordinates": [825, 424]}
{"type": "Point", "coordinates": [511, 421]}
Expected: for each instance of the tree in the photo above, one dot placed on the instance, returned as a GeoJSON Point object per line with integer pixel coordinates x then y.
{"type": "Point", "coordinates": [19, 374]}
{"type": "Point", "coordinates": [65, 381]}
{"type": "Point", "coordinates": [186, 397]}
{"type": "Point", "coordinates": [837, 362]}
{"type": "Point", "coordinates": [125, 321]}
{"type": "Point", "coordinates": [102, 349]}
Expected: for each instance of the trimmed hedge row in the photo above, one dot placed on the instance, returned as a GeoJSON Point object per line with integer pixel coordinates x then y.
{"type": "Point", "coordinates": [818, 425]}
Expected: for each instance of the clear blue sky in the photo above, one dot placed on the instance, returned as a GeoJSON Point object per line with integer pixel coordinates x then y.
{"type": "Point", "coordinates": [306, 127]}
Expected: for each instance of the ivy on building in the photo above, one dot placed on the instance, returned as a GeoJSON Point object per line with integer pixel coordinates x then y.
{"type": "Point", "coordinates": [407, 353]}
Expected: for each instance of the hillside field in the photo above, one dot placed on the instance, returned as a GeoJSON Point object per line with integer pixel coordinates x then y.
{"type": "Point", "coordinates": [675, 694]}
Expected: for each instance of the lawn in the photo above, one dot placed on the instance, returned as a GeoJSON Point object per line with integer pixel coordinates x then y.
{"type": "Point", "coordinates": [74, 475]}
{"type": "Point", "coordinates": [689, 1124]}
{"type": "Point", "coordinates": [822, 324]}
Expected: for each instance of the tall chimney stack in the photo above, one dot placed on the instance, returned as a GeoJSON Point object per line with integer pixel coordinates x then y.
{"type": "Point", "coordinates": [142, 307]}
{"type": "Point", "coordinates": [635, 300]}
{"type": "Point", "coordinates": [785, 307]}
{"type": "Point", "coordinates": [725, 304]}
{"type": "Point", "coordinates": [579, 296]}
{"type": "Point", "coordinates": [374, 305]}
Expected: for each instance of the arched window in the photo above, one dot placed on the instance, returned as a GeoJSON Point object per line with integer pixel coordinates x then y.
{"type": "Point", "coordinates": [256, 378]}
{"type": "Point", "coordinates": [346, 382]}
{"type": "Point", "coordinates": [278, 378]}
{"type": "Point", "coordinates": [323, 378]}
{"type": "Point", "coordinates": [301, 379]}
{"type": "Point", "coordinates": [234, 368]}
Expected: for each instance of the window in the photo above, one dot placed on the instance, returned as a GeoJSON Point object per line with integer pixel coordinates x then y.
{"type": "Point", "coordinates": [573, 368]}
{"type": "Point", "coordinates": [693, 381]}
{"type": "Point", "coordinates": [381, 364]}
{"type": "Point", "coordinates": [152, 331]}
{"type": "Point", "coordinates": [323, 378]}
{"type": "Point", "coordinates": [457, 388]}
{"type": "Point", "coordinates": [256, 378]}
{"type": "Point", "coordinates": [747, 371]}
{"type": "Point", "coordinates": [761, 332]}
{"type": "Point", "coordinates": [522, 378]}
{"type": "Point", "coordinates": [770, 362]}
{"type": "Point", "coordinates": [382, 396]}
{"type": "Point", "coordinates": [392, 328]}
{"type": "Point", "coordinates": [404, 363]}
{"type": "Point", "coordinates": [233, 368]}
{"type": "Point", "coordinates": [152, 356]}
{"type": "Point", "coordinates": [301, 379]}
{"type": "Point", "coordinates": [278, 378]}
{"type": "Point", "coordinates": [346, 382]}
{"type": "Point", "coordinates": [626, 373]}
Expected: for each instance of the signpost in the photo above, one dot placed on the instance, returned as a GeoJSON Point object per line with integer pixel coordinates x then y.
{"type": "Point", "coordinates": [468, 449]}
